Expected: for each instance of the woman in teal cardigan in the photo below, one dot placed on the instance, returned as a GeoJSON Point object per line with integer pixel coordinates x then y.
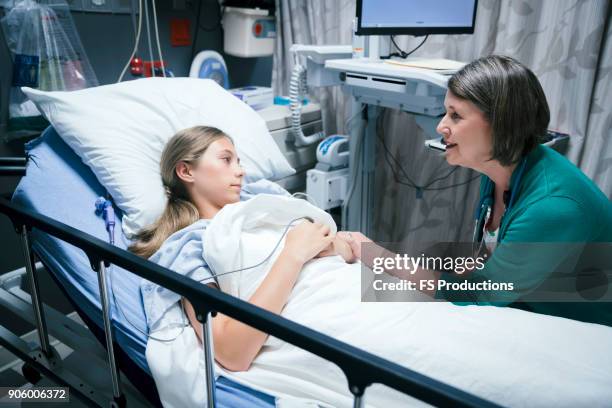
{"type": "Point", "coordinates": [539, 217]}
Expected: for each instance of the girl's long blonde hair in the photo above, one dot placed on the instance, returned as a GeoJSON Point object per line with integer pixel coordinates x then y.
{"type": "Point", "coordinates": [187, 146]}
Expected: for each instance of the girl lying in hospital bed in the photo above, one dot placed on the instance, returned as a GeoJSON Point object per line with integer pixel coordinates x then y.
{"type": "Point", "coordinates": [505, 355]}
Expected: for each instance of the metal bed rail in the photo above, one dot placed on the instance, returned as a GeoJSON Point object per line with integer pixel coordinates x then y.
{"type": "Point", "coordinates": [360, 367]}
{"type": "Point", "coordinates": [74, 342]}
{"type": "Point", "coordinates": [12, 166]}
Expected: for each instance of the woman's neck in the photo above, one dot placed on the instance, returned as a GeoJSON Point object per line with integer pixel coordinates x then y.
{"type": "Point", "coordinates": [500, 175]}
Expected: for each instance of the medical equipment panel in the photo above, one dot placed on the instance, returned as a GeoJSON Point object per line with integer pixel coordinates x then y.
{"type": "Point", "coordinates": [327, 189]}
{"type": "Point", "coordinates": [410, 89]}
{"type": "Point", "coordinates": [327, 184]}
{"type": "Point", "coordinates": [302, 158]}
{"type": "Point", "coordinates": [211, 65]}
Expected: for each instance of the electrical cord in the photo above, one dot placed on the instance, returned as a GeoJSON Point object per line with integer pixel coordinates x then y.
{"type": "Point", "coordinates": [427, 187]}
{"type": "Point", "coordinates": [402, 53]}
{"type": "Point", "coordinates": [306, 196]}
{"type": "Point", "coordinates": [215, 275]}
{"type": "Point", "coordinates": [412, 184]}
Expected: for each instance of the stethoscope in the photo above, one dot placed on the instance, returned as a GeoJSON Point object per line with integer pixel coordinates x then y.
{"type": "Point", "coordinates": [483, 210]}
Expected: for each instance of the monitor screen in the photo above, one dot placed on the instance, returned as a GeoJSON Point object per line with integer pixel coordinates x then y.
{"type": "Point", "coordinates": [415, 17]}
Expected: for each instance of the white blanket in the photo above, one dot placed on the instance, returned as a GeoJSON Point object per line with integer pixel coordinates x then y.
{"type": "Point", "coordinates": [508, 356]}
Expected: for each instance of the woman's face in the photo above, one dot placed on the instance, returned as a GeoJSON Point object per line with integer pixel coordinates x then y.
{"type": "Point", "coordinates": [466, 132]}
{"type": "Point", "coordinates": [217, 177]}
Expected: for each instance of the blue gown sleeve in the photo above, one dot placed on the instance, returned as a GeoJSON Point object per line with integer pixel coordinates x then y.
{"type": "Point", "coordinates": [182, 252]}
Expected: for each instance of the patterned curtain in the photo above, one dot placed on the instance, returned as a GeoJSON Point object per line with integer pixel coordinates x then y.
{"type": "Point", "coordinates": [568, 45]}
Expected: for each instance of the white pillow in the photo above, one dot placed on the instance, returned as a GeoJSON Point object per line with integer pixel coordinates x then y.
{"type": "Point", "coordinates": [120, 130]}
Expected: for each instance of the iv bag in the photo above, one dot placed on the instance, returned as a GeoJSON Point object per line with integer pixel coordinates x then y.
{"type": "Point", "coordinates": [47, 53]}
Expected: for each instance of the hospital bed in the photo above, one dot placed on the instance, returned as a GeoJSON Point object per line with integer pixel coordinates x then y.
{"type": "Point", "coordinates": [58, 186]}
{"type": "Point", "coordinates": [54, 171]}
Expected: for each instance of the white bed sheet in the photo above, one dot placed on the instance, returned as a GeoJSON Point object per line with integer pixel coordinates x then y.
{"type": "Point", "coordinates": [508, 356]}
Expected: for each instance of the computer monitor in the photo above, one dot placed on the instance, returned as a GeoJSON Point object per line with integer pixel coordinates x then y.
{"type": "Point", "coordinates": [415, 17]}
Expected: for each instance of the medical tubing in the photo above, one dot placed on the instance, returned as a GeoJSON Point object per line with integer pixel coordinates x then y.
{"type": "Point", "coordinates": [104, 207]}
{"type": "Point", "coordinates": [151, 58]}
{"type": "Point", "coordinates": [111, 233]}
{"type": "Point", "coordinates": [297, 87]}
{"type": "Point", "coordinates": [161, 57]}
{"type": "Point", "coordinates": [269, 255]}
{"type": "Point", "coordinates": [109, 218]}
{"type": "Point", "coordinates": [137, 40]}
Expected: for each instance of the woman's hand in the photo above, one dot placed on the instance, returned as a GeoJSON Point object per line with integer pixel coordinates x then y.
{"type": "Point", "coordinates": [339, 247]}
{"type": "Point", "coordinates": [308, 239]}
{"type": "Point", "coordinates": [354, 239]}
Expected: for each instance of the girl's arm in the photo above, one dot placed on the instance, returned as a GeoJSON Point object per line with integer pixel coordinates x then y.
{"type": "Point", "coordinates": [237, 344]}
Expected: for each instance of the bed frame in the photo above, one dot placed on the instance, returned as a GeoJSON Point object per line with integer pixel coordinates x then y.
{"type": "Point", "coordinates": [360, 367]}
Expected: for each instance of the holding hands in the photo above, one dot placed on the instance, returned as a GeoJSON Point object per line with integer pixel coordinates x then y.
{"type": "Point", "coordinates": [310, 240]}
{"type": "Point", "coordinates": [353, 239]}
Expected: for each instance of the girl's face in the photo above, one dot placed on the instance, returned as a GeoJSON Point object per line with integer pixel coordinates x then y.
{"type": "Point", "coordinates": [217, 176]}
{"type": "Point", "coordinates": [467, 133]}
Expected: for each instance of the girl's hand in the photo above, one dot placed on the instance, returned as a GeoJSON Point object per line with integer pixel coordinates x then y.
{"type": "Point", "coordinates": [354, 239]}
{"type": "Point", "coordinates": [308, 239]}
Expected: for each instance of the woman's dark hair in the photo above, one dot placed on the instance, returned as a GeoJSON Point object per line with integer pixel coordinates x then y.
{"type": "Point", "coordinates": [512, 100]}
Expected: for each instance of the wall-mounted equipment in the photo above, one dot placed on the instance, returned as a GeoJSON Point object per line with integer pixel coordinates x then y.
{"type": "Point", "coordinates": [210, 64]}
{"type": "Point", "coordinates": [248, 32]}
